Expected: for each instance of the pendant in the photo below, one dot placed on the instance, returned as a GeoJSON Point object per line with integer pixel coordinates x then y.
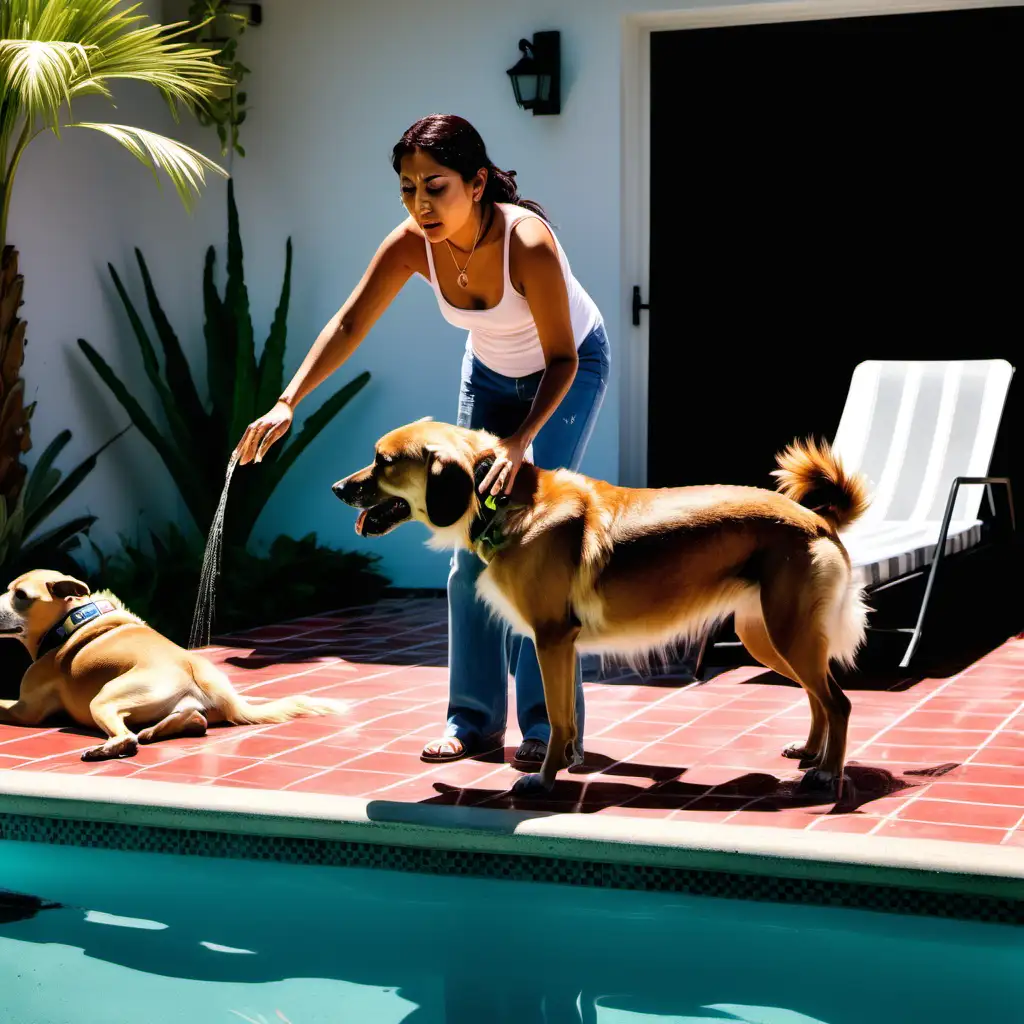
{"type": "Point", "coordinates": [463, 280]}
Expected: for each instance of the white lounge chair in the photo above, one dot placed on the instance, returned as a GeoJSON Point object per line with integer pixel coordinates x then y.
{"type": "Point", "coordinates": [922, 433]}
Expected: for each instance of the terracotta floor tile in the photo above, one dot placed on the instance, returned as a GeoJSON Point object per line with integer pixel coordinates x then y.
{"type": "Point", "coordinates": [632, 811]}
{"type": "Point", "coordinates": [899, 829]}
{"type": "Point", "coordinates": [1000, 754]}
{"type": "Point", "coordinates": [416, 790]}
{"type": "Point", "coordinates": [249, 744]}
{"type": "Point", "coordinates": [670, 755]}
{"type": "Point", "coordinates": [776, 819]}
{"type": "Point", "coordinates": [734, 719]}
{"type": "Point", "coordinates": [708, 737]}
{"type": "Point", "coordinates": [665, 714]}
{"type": "Point", "coordinates": [207, 765]}
{"type": "Point", "coordinates": [859, 824]}
{"type": "Point", "coordinates": [320, 754]}
{"type": "Point", "coordinates": [965, 792]}
{"type": "Point", "coordinates": [947, 812]}
{"type": "Point", "coordinates": [390, 761]}
{"type": "Point", "coordinates": [63, 763]}
{"type": "Point", "coordinates": [926, 718]}
{"type": "Point", "coordinates": [881, 753]}
{"type": "Point", "coordinates": [342, 782]}
{"type": "Point", "coordinates": [769, 741]}
{"type": "Point", "coordinates": [161, 775]}
{"type": "Point", "coordinates": [702, 816]}
{"type": "Point", "coordinates": [970, 706]}
{"type": "Point", "coordinates": [304, 729]}
{"type": "Point", "coordinates": [271, 774]}
{"type": "Point", "coordinates": [122, 767]}
{"type": "Point", "coordinates": [918, 737]}
{"type": "Point", "coordinates": [9, 761]}
{"type": "Point", "coordinates": [37, 743]}
{"type": "Point", "coordinates": [991, 775]}
{"type": "Point", "coordinates": [639, 732]}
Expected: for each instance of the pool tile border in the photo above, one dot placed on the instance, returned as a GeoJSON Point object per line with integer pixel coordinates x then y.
{"type": "Point", "coordinates": [736, 862]}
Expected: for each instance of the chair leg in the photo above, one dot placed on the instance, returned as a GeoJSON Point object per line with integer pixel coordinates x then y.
{"type": "Point", "coordinates": [915, 638]}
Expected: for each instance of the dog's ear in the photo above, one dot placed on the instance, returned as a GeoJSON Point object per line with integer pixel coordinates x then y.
{"type": "Point", "coordinates": [68, 587]}
{"type": "Point", "coordinates": [449, 487]}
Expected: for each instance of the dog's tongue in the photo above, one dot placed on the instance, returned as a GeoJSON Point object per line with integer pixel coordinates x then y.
{"type": "Point", "coordinates": [360, 522]}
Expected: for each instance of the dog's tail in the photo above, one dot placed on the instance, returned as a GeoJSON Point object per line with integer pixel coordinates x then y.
{"type": "Point", "coordinates": [239, 711]}
{"type": "Point", "coordinates": [810, 474]}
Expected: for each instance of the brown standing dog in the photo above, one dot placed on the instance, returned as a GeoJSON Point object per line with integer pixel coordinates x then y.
{"type": "Point", "coordinates": [108, 670]}
{"type": "Point", "coordinates": [579, 564]}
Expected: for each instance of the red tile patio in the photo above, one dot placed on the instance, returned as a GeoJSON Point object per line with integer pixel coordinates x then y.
{"type": "Point", "coordinates": [934, 758]}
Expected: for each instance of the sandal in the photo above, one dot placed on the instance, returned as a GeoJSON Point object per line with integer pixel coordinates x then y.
{"type": "Point", "coordinates": [457, 749]}
{"type": "Point", "coordinates": [531, 752]}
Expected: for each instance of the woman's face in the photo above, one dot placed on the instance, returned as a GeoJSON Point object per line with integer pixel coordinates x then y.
{"type": "Point", "coordinates": [436, 196]}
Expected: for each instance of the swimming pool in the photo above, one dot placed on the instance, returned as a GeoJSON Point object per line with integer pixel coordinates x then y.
{"type": "Point", "coordinates": [154, 938]}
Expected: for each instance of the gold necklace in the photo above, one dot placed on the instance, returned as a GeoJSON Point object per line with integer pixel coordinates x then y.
{"type": "Point", "coordinates": [463, 279]}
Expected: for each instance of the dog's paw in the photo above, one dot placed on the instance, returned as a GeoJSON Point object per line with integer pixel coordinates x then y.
{"type": "Point", "coordinates": [818, 782]}
{"type": "Point", "coordinates": [126, 747]}
{"type": "Point", "coordinates": [532, 786]}
{"type": "Point", "coordinates": [800, 752]}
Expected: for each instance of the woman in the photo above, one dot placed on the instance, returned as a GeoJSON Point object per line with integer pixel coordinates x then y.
{"type": "Point", "coordinates": [535, 373]}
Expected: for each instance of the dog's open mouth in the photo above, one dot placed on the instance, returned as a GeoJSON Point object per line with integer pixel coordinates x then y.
{"type": "Point", "coordinates": [382, 517]}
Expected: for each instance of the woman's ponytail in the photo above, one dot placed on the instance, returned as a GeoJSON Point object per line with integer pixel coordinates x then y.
{"type": "Point", "coordinates": [501, 188]}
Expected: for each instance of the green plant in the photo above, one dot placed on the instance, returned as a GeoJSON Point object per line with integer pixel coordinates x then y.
{"type": "Point", "coordinates": [52, 52]}
{"type": "Point", "coordinates": [21, 547]}
{"type": "Point", "coordinates": [226, 109]}
{"type": "Point", "coordinates": [199, 441]}
{"type": "Point", "coordinates": [295, 578]}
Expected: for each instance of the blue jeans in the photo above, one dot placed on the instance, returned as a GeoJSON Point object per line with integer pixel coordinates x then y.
{"type": "Point", "coordinates": [481, 648]}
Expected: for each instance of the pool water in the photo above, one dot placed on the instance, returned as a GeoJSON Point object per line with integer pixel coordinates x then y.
{"type": "Point", "coordinates": [146, 938]}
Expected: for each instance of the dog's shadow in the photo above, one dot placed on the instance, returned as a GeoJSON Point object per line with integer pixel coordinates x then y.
{"type": "Point", "coordinates": [751, 791]}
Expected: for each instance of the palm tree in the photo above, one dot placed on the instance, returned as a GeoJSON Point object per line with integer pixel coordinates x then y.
{"type": "Point", "coordinates": [51, 53]}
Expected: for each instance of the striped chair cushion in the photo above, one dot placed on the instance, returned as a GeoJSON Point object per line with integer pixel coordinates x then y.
{"type": "Point", "coordinates": [891, 550]}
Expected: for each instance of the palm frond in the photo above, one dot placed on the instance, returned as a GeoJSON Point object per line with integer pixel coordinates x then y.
{"type": "Point", "coordinates": [119, 44]}
{"type": "Point", "coordinates": [185, 166]}
{"type": "Point", "coordinates": [42, 74]}
{"type": "Point", "coordinates": [54, 51]}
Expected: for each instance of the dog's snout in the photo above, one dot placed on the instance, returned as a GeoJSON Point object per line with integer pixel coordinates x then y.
{"type": "Point", "coordinates": [355, 490]}
{"type": "Point", "coordinates": [342, 489]}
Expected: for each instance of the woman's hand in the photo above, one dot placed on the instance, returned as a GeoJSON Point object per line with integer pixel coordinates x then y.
{"type": "Point", "coordinates": [262, 433]}
{"type": "Point", "coordinates": [508, 457]}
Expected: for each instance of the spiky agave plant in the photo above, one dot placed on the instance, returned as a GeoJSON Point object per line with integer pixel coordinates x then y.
{"type": "Point", "coordinates": [53, 52]}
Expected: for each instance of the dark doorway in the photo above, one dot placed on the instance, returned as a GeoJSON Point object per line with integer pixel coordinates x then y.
{"type": "Point", "coordinates": [825, 192]}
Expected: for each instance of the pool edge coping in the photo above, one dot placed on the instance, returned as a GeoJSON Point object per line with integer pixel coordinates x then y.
{"type": "Point", "coordinates": [921, 864]}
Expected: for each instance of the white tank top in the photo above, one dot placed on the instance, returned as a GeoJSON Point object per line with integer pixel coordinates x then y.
{"type": "Point", "coordinates": [504, 337]}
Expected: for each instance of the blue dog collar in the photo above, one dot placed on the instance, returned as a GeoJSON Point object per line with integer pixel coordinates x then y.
{"type": "Point", "coordinates": [62, 631]}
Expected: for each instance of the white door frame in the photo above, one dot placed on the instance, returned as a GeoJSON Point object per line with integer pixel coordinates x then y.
{"type": "Point", "coordinates": [636, 175]}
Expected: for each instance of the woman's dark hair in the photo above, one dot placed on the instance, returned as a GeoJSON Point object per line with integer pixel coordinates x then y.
{"type": "Point", "coordinates": [453, 142]}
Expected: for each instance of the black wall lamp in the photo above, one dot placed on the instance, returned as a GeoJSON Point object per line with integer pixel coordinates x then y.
{"type": "Point", "coordinates": [536, 76]}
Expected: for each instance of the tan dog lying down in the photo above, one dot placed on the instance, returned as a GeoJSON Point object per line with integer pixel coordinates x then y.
{"type": "Point", "coordinates": [108, 670]}
{"type": "Point", "coordinates": [579, 564]}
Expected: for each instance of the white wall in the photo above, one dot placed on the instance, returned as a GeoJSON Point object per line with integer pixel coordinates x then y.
{"type": "Point", "coordinates": [334, 84]}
